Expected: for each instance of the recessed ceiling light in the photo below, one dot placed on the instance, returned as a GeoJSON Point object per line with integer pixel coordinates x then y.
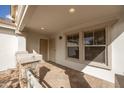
{"type": "Point", "coordinates": [71, 10]}
{"type": "Point", "coordinates": [42, 28]}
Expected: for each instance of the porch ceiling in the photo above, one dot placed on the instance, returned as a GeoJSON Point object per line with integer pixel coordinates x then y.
{"type": "Point", "coordinates": [54, 19]}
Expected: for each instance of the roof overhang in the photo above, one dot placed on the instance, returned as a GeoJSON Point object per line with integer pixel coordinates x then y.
{"type": "Point", "coordinates": [58, 19]}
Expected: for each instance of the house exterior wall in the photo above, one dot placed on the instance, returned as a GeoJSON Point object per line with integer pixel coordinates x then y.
{"type": "Point", "coordinates": [118, 47]}
{"type": "Point", "coordinates": [117, 61]}
{"type": "Point", "coordinates": [21, 43]}
{"type": "Point", "coordinates": [10, 43]}
{"type": "Point", "coordinates": [33, 41]}
{"type": "Point", "coordinates": [61, 59]}
{"type": "Point", "coordinates": [52, 49]}
{"type": "Point", "coordinates": [8, 48]}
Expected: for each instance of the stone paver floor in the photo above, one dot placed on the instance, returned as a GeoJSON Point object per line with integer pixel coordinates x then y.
{"type": "Point", "coordinates": [57, 76]}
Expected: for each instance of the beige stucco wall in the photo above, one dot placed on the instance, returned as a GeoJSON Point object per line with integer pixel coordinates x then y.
{"type": "Point", "coordinates": [118, 47]}
{"type": "Point", "coordinates": [8, 48]}
{"type": "Point", "coordinates": [33, 41]}
{"type": "Point", "coordinates": [10, 43]}
{"type": "Point", "coordinates": [21, 43]}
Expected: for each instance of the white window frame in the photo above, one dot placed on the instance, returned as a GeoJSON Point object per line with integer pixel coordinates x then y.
{"type": "Point", "coordinates": [93, 63]}
{"type": "Point", "coordinates": [108, 25]}
{"type": "Point", "coordinates": [69, 58]}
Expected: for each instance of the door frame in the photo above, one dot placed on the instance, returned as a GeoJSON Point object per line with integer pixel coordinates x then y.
{"type": "Point", "coordinates": [47, 47]}
{"type": "Point", "coordinates": [55, 49]}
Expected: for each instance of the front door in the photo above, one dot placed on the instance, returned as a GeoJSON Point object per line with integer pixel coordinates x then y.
{"type": "Point", "coordinates": [52, 50]}
{"type": "Point", "coordinates": [44, 48]}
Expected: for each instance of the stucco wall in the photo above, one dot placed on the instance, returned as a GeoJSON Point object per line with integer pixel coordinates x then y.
{"type": "Point", "coordinates": [33, 41]}
{"type": "Point", "coordinates": [118, 47]}
{"type": "Point", "coordinates": [21, 43]}
{"type": "Point", "coordinates": [8, 48]}
{"type": "Point", "coordinates": [117, 44]}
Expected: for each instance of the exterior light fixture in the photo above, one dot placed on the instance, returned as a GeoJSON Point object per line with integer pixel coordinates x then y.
{"type": "Point", "coordinates": [60, 37]}
{"type": "Point", "coordinates": [42, 28]}
{"type": "Point", "coordinates": [71, 10]}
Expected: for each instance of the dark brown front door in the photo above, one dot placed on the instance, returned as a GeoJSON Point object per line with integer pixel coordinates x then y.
{"type": "Point", "coordinates": [44, 48]}
{"type": "Point", "coordinates": [52, 50]}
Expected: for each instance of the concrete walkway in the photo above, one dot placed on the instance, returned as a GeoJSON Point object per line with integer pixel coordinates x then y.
{"type": "Point", "coordinates": [56, 76]}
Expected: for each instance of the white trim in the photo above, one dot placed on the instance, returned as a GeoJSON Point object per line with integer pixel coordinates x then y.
{"type": "Point", "coordinates": [94, 45]}
{"type": "Point", "coordinates": [76, 59]}
{"type": "Point", "coordinates": [97, 64]}
{"type": "Point", "coordinates": [48, 57]}
{"type": "Point", "coordinates": [21, 14]}
{"type": "Point", "coordinates": [7, 26]}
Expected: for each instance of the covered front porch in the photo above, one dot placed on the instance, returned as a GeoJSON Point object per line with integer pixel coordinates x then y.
{"type": "Point", "coordinates": [84, 40]}
{"type": "Point", "coordinates": [53, 75]}
{"type": "Point", "coordinates": [78, 46]}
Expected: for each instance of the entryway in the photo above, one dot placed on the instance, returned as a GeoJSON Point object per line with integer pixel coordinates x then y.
{"type": "Point", "coordinates": [52, 50]}
{"type": "Point", "coordinates": [44, 49]}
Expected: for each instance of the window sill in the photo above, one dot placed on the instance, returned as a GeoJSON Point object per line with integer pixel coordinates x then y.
{"type": "Point", "coordinates": [73, 60]}
{"type": "Point", "coordinates": [98, 65]}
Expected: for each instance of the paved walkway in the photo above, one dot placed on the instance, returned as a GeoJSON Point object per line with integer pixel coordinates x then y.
{"type": "Point", "coordinates": [57, 76]}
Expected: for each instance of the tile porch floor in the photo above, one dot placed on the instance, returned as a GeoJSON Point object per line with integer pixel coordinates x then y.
{"type": "Point", "coordinates": [57, 76]}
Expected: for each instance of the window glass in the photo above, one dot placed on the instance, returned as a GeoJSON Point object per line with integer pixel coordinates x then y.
{"type": "Point", "coordinates": [73, 52]}
{"type": "Point", "coordinates": [73, 39]}
{"type": "Point", "coordinates": [95, 45]}
{"type": "Point", "coordinates": [73, 46]}
{"type": "Point", "coordinates": [96, 54]}
{"type": "Point", "coordinates": [99, 37]}
{"type": "Point", "coordinates": [88, 38]}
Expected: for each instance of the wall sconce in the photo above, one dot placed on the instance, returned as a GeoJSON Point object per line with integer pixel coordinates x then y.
{"type": "Point", "coordinates": [60, 37]}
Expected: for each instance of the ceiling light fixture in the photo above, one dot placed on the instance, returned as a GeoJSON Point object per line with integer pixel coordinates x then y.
{"type": "Point", "coordinates": [71, 10]}
{"type": "Point", "coordinates": [42, 28]}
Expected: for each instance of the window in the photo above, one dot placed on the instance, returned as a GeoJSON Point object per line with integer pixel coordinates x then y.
{"type": "Point", "coordinates": [95, 45]}
{"type": "Point", "coordinates": [72, 45]}
{"type": "Point", "coordinates": [91, 46]}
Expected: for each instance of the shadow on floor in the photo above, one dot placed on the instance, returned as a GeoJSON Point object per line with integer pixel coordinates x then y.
{"type": "Point", "coordinates": [42, 73]}
{"type": "Point", "coordinates": [76, 78]}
